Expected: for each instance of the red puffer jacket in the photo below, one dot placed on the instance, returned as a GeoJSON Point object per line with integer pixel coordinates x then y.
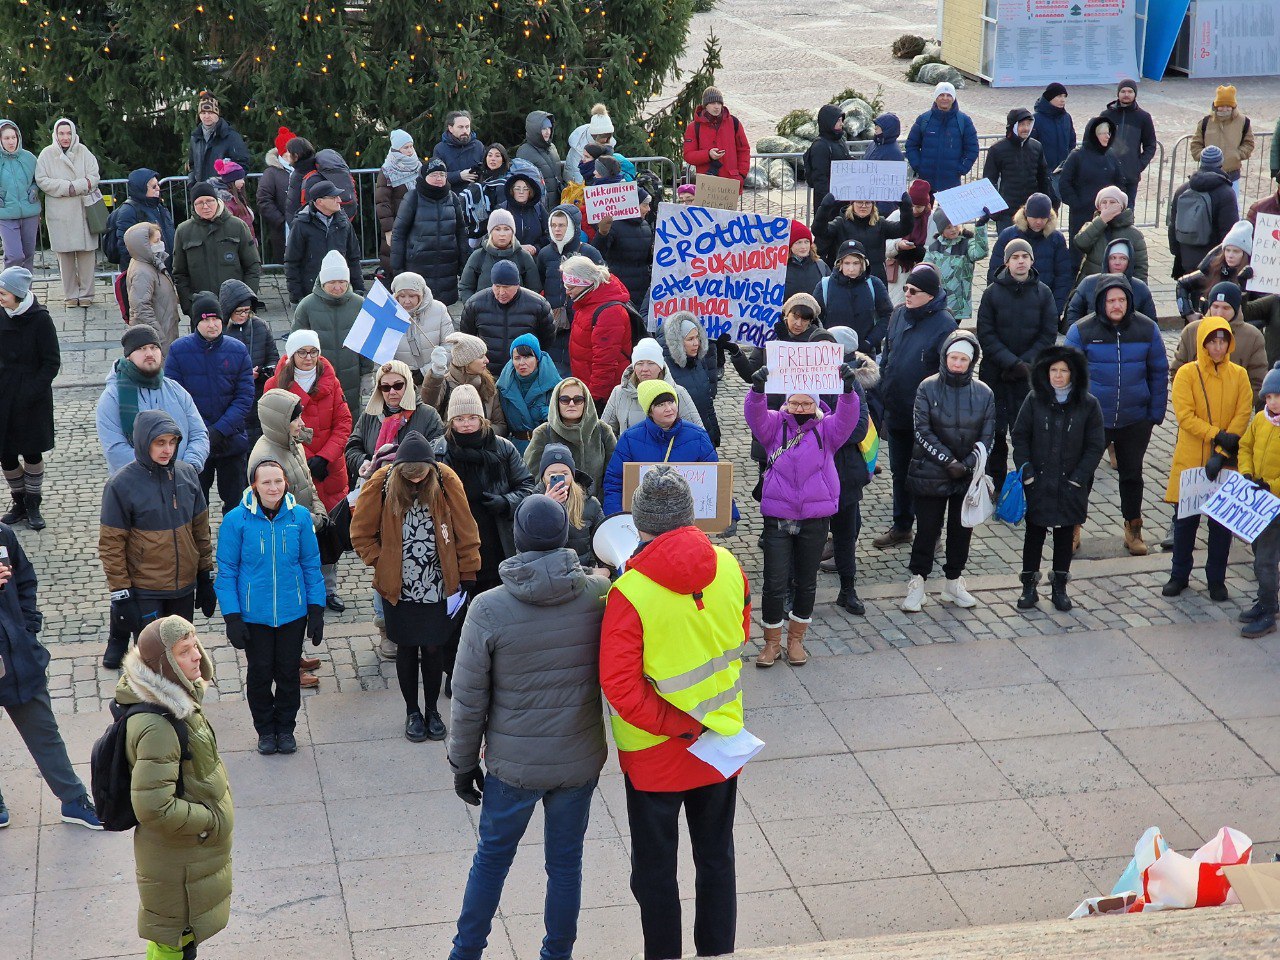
{"type": "Point", "coordinates": [598, 354]}
{"type": "Point", "coordinates": [325, 411]}
{"type": "Point", "coordinates": [725, 133]}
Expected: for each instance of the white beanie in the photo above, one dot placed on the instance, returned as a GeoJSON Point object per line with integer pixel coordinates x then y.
{"type": "Point", "coordinates": [944, 87]}
{"type": "Point", "coordinates": [334, 267]}
{"type": "Point", "coordinates": [299, 339]}
{"type": "Point", "coordinates": [960, 345]}
{"type": "Point", "coordinates": [600, 122]}
{"type": "Point", "coordinates": [1240, 235]}
{"type": "Point", "coordinates": [648, 349]}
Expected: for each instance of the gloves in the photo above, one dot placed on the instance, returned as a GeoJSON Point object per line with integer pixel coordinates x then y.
{"type": "Point", "coordinates": [126, 611]}
{"type": "Point", "coordinates": [237, 632]}
{"type": "Point", "coordinates": [315, 623]}
{"type": "Point", "coordinates": [725, 344]}
{"type": "Point", "coordinates": [469, 786]}
{"type": "Point", "coordinates": [846, 374]}
{"type": "Point", "coordinates": [758, 379]}
{"type": "Point", "coordinates": [217, 443]}
{"type": "Point", "coordinates": [1228, 442]}
{"type": "Point", "coordinates": [1214, 466]}
{"type": "Point", "coordinates": [468, 587]}
{"type": "Point", "coordinates": [319, 468]}
{"type": "Point", "coordinates": [982, 220]}
{"type": "Point", "coordinates": [1262, 485]}
{"type": "Point", "coordinates": [206, 598]}
{"type": "Point", "coordinates": [495, 503]}
{"type": "Point", "coordinates": [1019, 371]}
{"type": "Point", "coordinates": [439, 361]}
{"type": "Point", "coordinates": [956, 470]}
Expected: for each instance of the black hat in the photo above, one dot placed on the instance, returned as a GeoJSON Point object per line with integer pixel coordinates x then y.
{"type": "Point", "coordinates": [203, 190]}
{"type": "Point", "coordinates": [852, 248]}
{"type": "Point", "coordinates": [540, 524]}
{"type": "Point", "coordinates": [201, 304]}
{"type": "Point", "coordinates": [139, 335]}
{"type": "Point", "coordinates": [1054, 89]}
{"type": "Point", "coordinates": [556, 453]}
{"type": "Point", "coordinates": [323, 188]}
{"type": "Point", "coordinates": [415, 448]}
{"type": "Point", "coordinates": [925, 278]}
{"type": "Point", "coordinates": [1226, 292]}
{"type": "Point", "coordinates": [435, 165]}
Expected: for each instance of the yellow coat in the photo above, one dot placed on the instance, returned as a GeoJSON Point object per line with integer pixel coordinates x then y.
{"type": "Point", "coordinates": [1207, 397]}
{"type": "Point", "coordinates": [1260, 451]}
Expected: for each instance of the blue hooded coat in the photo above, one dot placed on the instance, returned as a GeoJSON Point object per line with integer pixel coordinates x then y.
{"type": "Point", "coordinates": [885, 147]}
{"type": "Point", "coordinates": [139, 208]}
{"type": "Point", "coordinates": [942, 146]}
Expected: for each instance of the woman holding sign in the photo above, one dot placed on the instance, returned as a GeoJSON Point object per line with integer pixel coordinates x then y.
{"type": "Point", "coordinates": [1212, 400]}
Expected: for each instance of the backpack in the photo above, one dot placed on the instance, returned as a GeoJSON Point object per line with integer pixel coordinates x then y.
{"type": "Point", "coordinates": [331, 166]}
{"type": "Point", "coordinates": [108, 242]}
{"type": "Point", "coordinates": [639, 328]}
{"type": "Point", "coordinates": [1193, 218]}
{"type": "Point", "coordinates": [651, 183]}
{"type": "Point", "coordinates": [112, 777]}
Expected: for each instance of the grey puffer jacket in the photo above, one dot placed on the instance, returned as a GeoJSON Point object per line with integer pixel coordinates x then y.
{"type": "Point", "coordinates": [526, 684]}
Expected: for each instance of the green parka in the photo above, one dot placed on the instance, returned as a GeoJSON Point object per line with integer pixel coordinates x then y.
{"type": "Point", "coordinates": [207, 252]}
{"type": "Point", "coordinates": [331, 318]}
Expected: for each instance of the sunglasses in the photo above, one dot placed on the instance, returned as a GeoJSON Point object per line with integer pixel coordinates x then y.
{"type": "Point", "coordinates": [572, 401]}
{"type": "Point", "coordinates": [391, 387]}
{"type": "Point", "coordinates": [909, 290]}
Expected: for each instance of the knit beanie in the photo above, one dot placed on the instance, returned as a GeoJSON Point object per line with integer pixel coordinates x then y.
{"type": "Point", "coordinates": [1054, 89]}
{"type": "Point", "coordinates": [685, 323]}
{"type": "Point", "coordinates": [688, 189]}
{"type": "Point", "coordinates": [649, 391]}
{"type": "Point", "coordinates": [283, 136]}
{"type": "Point", "coordinates": [554, 453]}
{"type": "Point", "coordinates": [580, 271]}
{"type": "Point", "coordinates": [799, 232]}
{"type": "Point", "coordinates": [415, 448]}
{"type": "Point", "coordinates": [1271, 382]}
{"type": "Point", "coordinates": [434, 165]}
{"type": "Point", "coordinates": [1225, 97]}
{"type": "Point", "coordinates": [1111, 193]}
{"type": "Point", "coordinates": [712, 95]}
{"type": "Point", "coordinates": [1119, 245]}
{"type": "Point", "coordinates": [924, 278]}
{"type": "Point", "coordinates": [334, 267]}
{"type": "Point", "coordinates": [648, 349]}
{"type": "Point", "coordinates": [944, 87]}
{"type": "Point", "coordinates": [504, 274]}
{"type": "Point", "coordinates": [847, 337]}
{"type": "Point", "coordinates": [399, 139]}
{"type": "Point", "coordinates": [920, 192]}
{"type": "Point", "coordinates": [17, 281]}
{"type": "Point", "coordinates": [204, 305]}
{"type": "Point", "coordinates": [1240, 235]}
{"type": "Point", "coordinates": [466, 349]}
{"type": "Point", "coordinates": [464, 401]}
{"type": "Point", "coordinates": [802, 300]}
{"type": "Point", "coordinates": [1038, 205]}
{"type": "Point", "coordinates": [209, 102]}
{"type": "Point", "coordinates": [1226, 292]}
{"type": "Point", "coordinates": [1018, 245]}
{"type": "Point", "coordinates": [228, 171]}
{"type": "Point", "coordinates": [527, 341]}
{"type": "Point", "coordinates": [203, 189]}
{"type": "Point", "coordinates": [960, 345]}
{"type": "Point", "coordinates": [540, 524]}
{"type": "Point", "coordinates": [500, 218]}
{"type": "Point", "coordinates": [1211, 158]}
{"type": "Point", "coordinates": [1126, 82]}
{"type": "Point", "coordinates": [599, 123]}
{"type": "Point", "coordinates": [155, 650]}
{"type": "Point", "coordinates": [300, 339]}
{"type": "Point", "coordinates": [138, 335]}
{"type": "Point", "coordinates": [940, 220]}
{"type": "Point", "coordinates": [662, 502]}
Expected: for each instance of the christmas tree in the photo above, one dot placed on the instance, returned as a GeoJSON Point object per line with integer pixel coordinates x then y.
{"type": "Point", "coordinates": [129, 72]}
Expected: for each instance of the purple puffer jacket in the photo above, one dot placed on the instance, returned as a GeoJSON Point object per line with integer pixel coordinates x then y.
{"type": "Point", "coordinates": [802, 484]}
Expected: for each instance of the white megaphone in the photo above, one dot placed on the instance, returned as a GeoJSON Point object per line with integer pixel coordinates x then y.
{"type": "Point", "coordinates": [616, 540]}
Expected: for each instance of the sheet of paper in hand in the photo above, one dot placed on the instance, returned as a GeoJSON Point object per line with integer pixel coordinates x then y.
{"type": "Point", "coordinates": [964, 203]}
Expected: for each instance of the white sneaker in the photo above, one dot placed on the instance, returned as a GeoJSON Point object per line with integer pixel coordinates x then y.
{"type": "Point", "coordinates": [953, 591]}
{"type": "Point", "coordinates": [915, 595]}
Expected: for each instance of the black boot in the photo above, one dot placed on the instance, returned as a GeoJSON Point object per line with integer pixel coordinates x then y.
{"type": "Point", "coordinates": [1058, 590]}
{"type": "Point", "coordinates": [117, 647]}
{"type": "Point", "coordinates": [1029, 596]}
{"type": "Point", "coordinates": [34, 520]}
{"type": "Point", "coordinates": [848, 597]}
{"type": "Point", "coordinates": [18, 512]}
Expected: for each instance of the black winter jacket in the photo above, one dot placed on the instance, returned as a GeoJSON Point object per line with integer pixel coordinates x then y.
{"type": "Point", "coordinates": [830, 146]}
{"type": "Point", "coordinates": [1133, 143]}
{"type": "Point", "coordinates": [309, 240]}
{"type": "Point", "coordinates": [25, 658]}
{"type": "Point", "coordinates": [550, 257]}
{"type": "Point", "coordinates": [861, 303]}
{"type": "Point", "coordinates": [511, 481]}
{"type": "Point", "coordinates": [1048, 248]}
{"type": "Point", "coordinates": [29, 360]}
{"type": "Point", "coordinates": [1017, 167]}
{"type": "Point", "coordinates": [699, 375]}
{"type": "Point", "coordinates": [628, 250]}
{"type": "Point", "coordinates": [1222, 203]}
{"type": "Point", "coordinates": [543, 155]}
{"type": "Point", "coordinates": [831, 223]}
{"type": "Point", "coordinates": [952, 413]}
{"type": "Point", "coordinates": [430, 238]}
{"type": "Point", "coordinates": [1016, 320]}
{"type": "Point", "coordinates": [1087, 169]}
{"type": "Point", "coordinates": [909, 355]}
{"type": "Point", "coordinates": [803, 276]}
{"type": "Point", "coordinates": [224, 144]}
{"type": "Point", "coordinates": [498, 324]}
{"type": "Point", "coordinates": [530, 216]}
{"type": "Point", "coordinates": [1061, 443]}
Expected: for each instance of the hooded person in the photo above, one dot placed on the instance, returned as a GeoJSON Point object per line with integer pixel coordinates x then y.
{"type": "Point", "coordinates": [1036, 222]}
{"type": "Point", "coordinates": [600, 340]}
{"type": "Point", "coordinates": [627, 247]}
{"type": "Point", "coordinates": [330, 310]}
{"type": "Point", "coordinates": [884, 146]}
{"type": "Point", "coordinates": [1119, 260]}
{"type": "Point", "coordinates": [560, 479]}
{"type": "Point", "coordinates": [239, 305]}
{"type": "Point", "coordinates": [524, 389]}
{"type": "Point", "coordinates": [142, 203]}
{"type": "Point", "coordinates": [564, 228]}
{"type": "Point", "coordinates": [499, 244]}
{"type": "Point", "coordinates": [1202, 212]}
{"type": "Point", "coordinates": [1134, 140]}
{"type": "Point", "coordinates": [153, 297]}
{"type": "Point", "coordinates": [522, 198]}
{"type": "Point", "coordinates": [1054, 129]}
{"type": "Point", "coordinates": [1259, 462]}
{"type": "Point", "coordinates": [623, 409]}
{"type": "Point", "coordinates": [955, 252]}
{"type": "Point", "coordinates": [1114, 221]}
{"type": "Point", "coordinates": [539, 149]}
{"type": "Point", "coordinates": [1016, 165]}
{"type": "Point", "coordinates": [943, 143]}
{"type": "Point", "coordinates": [692, 365]}
{"type": "Point", "coordinates": [429, 322]}
{"type": "Point", "coordinates": [463, 361]}
{"type": "Point", "coordinates": [1248, 347]}
{"type": "Point", "coordinates": [180, 792]}
{"type": "Point", "coordinates": [66, 175]}
{"type": "Point", "coordinates": [1088, 169]}
{"type": "Point", "coordinates": [429, 236]}
{"type": "Point", "coordinates": [572, 421]}
{"type": "Point", "coordinates": [19, 198]}
{"type": "Point", "coordinates": [827, 149]}
{"type": "Point", "coordinates": [599, 130]}
{"type": "Point", "coordinates": [284, 438]}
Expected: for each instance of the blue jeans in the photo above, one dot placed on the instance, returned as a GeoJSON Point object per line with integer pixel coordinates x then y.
{"type": "Point", "coordinates": [504, 816]}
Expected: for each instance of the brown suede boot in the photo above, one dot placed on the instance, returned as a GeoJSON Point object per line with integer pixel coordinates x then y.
{"type": "Point", "coordinates": [796, 629]}
{"type": "Point", "coordinates": [1133, 538]}
{"type": "Point", "coordinates": [772, 647]}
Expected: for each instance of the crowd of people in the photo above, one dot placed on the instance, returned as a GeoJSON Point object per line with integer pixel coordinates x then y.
{"type": "Point", "coordinates": [471, 472]}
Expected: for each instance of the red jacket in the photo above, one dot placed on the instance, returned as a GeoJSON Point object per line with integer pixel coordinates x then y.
{"type": "Point", "coordinates": [599, 354]}
{"type": "Point", "coordinates": [325, 411]}
{"type": "Point", "coordinates": [683, 561]}
{"type": "Point", "coordinates": [724, 133]}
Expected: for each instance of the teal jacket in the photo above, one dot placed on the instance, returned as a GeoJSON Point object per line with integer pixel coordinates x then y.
{"type": "Point", "coordinates": [19, 197]}
{"type": "Point", "coordinates": [954, 260]}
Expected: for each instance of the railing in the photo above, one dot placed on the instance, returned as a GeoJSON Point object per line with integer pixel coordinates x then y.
{"type": "Point", "coordinates": [1255, 173]}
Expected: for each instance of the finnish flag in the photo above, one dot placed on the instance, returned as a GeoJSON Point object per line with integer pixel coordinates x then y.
{"type": "Point", "coordinates": [381, 324]}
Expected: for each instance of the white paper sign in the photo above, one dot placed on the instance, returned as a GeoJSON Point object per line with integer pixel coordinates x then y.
{"type": "Point", "coordinates": [869, 179]}
{"type": "Point", "coordinates": [1243, 508]}
{"type": "Point", "coordinates": [704, 483]}
{"type": "Point", "coordinates": [812, 368]}
{"type": "Point", "coordinates": [617, 200]}
{"type": "Point", "coordinates": [1194, 488]}
{"type": "Point", "coordinates": [726, 754]}
{"type": "Point", "coordinates": [1266, 254]}
{"type": "Point", "coordinates": [964, 203]}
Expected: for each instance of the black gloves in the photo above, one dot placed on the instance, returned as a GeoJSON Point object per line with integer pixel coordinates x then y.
{"type": "Point", "coordinates": [956, 470]}
{"type": "Point", "coordinates": [469, 786]}
{"type": "Point", "coordinates": [217, 442]}
{"type": "Point", "coordinates": [758, 379]}
{"type": "Point", "coordinates": [1018, 372]}
{"type": "Point", "coordinates": [847, 375]}
{"type": "Point", "coordinates": [206, 598]}
{"type": "Point", "coordinates": [126, 611]}
{"type": "Point", "coordinates": [1262, 485]}
{"type": "Point", "coordinates": [982, 220]}
{"type": "Point", "coordinates": [495, 503]}
{"type": "Point", "coordinates": [319, 467]}
{"type": "Point", "coordinates": [468, 587]}
{"type": "Point", "coordinates": [315, 623]}
{"type": "Point", "coordinates": [725, 344]}
{"type": "Point", "coordinates": [1228, 442]}
{"type": "Point", "coordinates": [237, 632]}
{"type": "Point", "coordinates": [1214, 466]}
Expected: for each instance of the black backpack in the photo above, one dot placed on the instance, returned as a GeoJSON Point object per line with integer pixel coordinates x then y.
{"type": "Point", "coordinates": [639, 328]}
{"type": "Point", "coordinates": [112, 777]}
{"type": "Point", "coordinates": [107, 241]}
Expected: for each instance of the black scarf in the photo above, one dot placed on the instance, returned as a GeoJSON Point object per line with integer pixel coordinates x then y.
{"type": "Point", "coordinates": [474, 457]}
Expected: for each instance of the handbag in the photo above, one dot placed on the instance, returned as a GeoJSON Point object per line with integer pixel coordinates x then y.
{"type": "Point", "coordinates": [977, 506]}
{"type": "Point", "coordinates": [758, 490]}
{"type": "Point", "coordinates": [335, 537]}
{"type": "Point", "coordinates": [892, 269]}
{"type": "Point", "coordinates": [95, 212]}
{"type": "Point", "coordinates": [1011, 506]}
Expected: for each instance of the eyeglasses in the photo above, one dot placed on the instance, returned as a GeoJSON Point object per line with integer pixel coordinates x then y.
{"type": "Point", "coordinates": [572, 401]}
{"type": "Point", "coordinates": [307, 352]}
{"type": "Point", "coordinates": [391, 387]}
{"type": "Point", "coordinates": [909, 290]}
{"type": "Point", "coordinates": [241, 311]}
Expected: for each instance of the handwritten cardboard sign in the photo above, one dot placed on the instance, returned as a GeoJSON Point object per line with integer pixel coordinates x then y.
{"type": "Point", "coordinates": [964, 203]}
{"type": "Point", "coordinates": [1266, 254]}
{"type": "Point", "coordinates": [812, 368]}
{"type": "Point", "coordinates": [728, 269]}
{"type": "Point", "coordinates": [1241, 507]}
{"type": "Point", "coordinates": [721, 193]}
{"type": "Point", "coordinates": [869, 179]}
{"type": "Point", "coordinates": [617, 200]}
{"type": "Point", "coordinates": [710, 483]}
{"type": "Point", "coordinates": [1194, 488]}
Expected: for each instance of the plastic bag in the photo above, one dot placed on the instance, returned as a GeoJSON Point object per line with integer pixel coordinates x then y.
{"type": "Point", "coordinates": [977, 507]}
{"type": "Point", "coordinates": [1011, 506]}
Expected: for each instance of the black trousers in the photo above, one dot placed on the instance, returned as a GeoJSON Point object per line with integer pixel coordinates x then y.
{"type": "Point", "coordinates": [1131, 449]}
{"type": "Point", "coordinates": [655, 833]}
{"type": "Point", "coordinates": [901, 444]}
{"type": "Point", "coordinates": [232, 476]}
{"type": "Point", "coordinates": [1033, 548]}
{"type": "Point", "coordinates": [271, 660]}
{"type": "Point", "coordinates": [845, 527]}
{"type": "Point", "coordinates": [791, 560]}
{"type": "Point", "coordinates": [929, 516]}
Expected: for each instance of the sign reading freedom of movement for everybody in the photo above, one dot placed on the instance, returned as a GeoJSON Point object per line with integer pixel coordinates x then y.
{"type": "Point", "coordinates": [619, 200]}
{"type": "Point", "coordinates": [728, 269]}
{"type": "Point", "coordinates": [1243, 508]}
{"type": "Point", "coordinates": [1266, 254]}
{"type": "Point", "coordinates": [869, 179]}
{"type": "Point", "coordinates": [964, 203]}
{"type": "Point", "coordinates": [812, 368]}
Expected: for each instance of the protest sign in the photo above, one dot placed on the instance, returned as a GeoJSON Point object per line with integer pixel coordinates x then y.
{"type": "Point", "coordinates": [869, 179]}
{"type": "Point", "coordinates": [618, 200]}
{"type": "Point", "coordinates": [1242, 507]}
{"type": "Point", "coordinates": [379, 327]}
{"type": "Point", "coordinates": [1266, 255]}
{"type": "Point", "coordinates": [722, 193]}
{"type": "Point", "coordinates": [728, 269]}
{"type": "Point", "coordinates": [710, 483]}
{"type": "Point", "coordinates": [812, 368]}
{"type": "Point", "coordinates": [964, 203]}
{"type": "Point", "coordinates": [1194, 488]}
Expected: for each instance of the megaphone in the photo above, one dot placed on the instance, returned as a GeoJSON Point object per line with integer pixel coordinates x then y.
{"type": "Point", "coordinates": [615, 540]}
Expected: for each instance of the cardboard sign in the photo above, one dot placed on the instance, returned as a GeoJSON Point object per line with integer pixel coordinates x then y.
{"type": "Point", "coordinates": [1241, 507]}
{"type": "Point", "coordinates": [1266, 255]}
{"type": "Point", "coordinates": [964, 203]}
{"type": "Point", "coordinates": [1256, 884]}
{"type": "Point", "coordinates": [728, 269]}
{"type": "Point", "coordinates": [812, 368]}
{"type": "Point", "coordinates": [721, 193]}
{"type": "Point", "coordinates": [1194, 488]}
{"type": "Point", "coordinates": [869, 179]}
{"type": "Point", "coordinates": [710, 483]}
{"type": "Point", "coordinates": [618, 200]}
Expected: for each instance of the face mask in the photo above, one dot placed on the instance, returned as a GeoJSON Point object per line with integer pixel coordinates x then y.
{"type": "Point", "coordinates": [158, 249]}
{"type": "Point", "coordinates": [287, 166]}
